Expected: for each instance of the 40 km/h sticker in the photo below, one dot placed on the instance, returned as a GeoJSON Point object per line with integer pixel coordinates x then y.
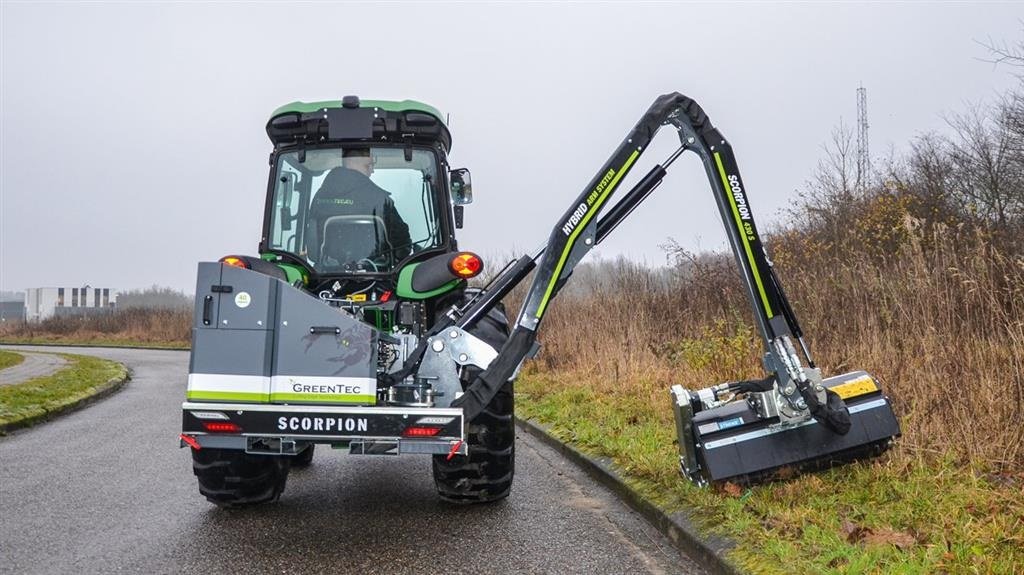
{"type": "Point", "coordinates": [243, 299]}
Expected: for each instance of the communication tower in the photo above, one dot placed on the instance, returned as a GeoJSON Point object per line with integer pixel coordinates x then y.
{"type": "Point", "coordinates": [863, 157]}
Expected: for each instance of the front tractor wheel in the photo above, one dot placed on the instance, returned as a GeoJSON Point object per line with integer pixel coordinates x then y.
{"type": "Point", "coordinates": [234, 478]}
{"type": "Point", "coordinates": [485, 474]}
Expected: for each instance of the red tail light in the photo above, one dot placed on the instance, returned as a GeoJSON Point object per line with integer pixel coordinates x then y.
{"type": "Point", "coordinates": [222, 427]}
{"type": "Point", "coordinates": [234, 261]}
{"type": "Point", "coordinates": [417, 431]}
{"type": "Point", "coordinates": [466, 264]}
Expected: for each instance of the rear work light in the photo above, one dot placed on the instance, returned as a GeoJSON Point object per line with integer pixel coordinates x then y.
{"type": "Point", "coordinates": [421, 431]}
{"type": "Point", "coordinates": [234, 261]}
{"type": "Point", "coordinates": [221, 427]}
{"type": "Point", "coordinates": [466, 264]}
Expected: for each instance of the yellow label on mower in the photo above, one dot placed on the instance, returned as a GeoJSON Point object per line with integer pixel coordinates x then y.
{"type": "Point", "coordinates": [357, 297]}
{"type": "Point", "coordinates": [860, 386]}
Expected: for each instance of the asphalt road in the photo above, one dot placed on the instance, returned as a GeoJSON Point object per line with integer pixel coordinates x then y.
{"type": "Point", "coordinates": [34, 365]}
{"type": "Point", "coordinates": [107, 490]}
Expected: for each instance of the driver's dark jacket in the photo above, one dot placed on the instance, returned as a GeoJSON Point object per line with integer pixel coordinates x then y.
{"type": "Point", "coordinates": [346, 192]}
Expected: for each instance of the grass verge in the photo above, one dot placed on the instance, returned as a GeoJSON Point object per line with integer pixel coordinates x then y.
{"type": "Point", "coordinates": [38, 399]}
{"type": "Point", "coordinates": [10, 359]}
{"type": "Point", "coordinates": [892, 515]}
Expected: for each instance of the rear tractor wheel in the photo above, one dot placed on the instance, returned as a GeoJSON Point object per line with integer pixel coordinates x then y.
{"type": "Point", "coordinates": [485, 474]}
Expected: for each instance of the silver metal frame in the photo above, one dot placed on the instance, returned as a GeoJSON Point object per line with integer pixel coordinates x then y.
{"type": "Point", "coordinates": [446, 353]}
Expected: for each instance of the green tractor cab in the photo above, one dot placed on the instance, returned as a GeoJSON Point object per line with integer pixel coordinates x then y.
{"type": "Point", "coordinates": [360, 197]}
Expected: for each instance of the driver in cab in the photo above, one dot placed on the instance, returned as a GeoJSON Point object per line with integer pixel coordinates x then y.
{"type": "Point", "coordinates": [348, 191]}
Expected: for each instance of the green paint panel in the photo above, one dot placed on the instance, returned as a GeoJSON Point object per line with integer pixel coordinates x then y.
{"type": "Point", "coordinates": [743, 236]}
{"type": "Point", "coordinates": [291, 272]}
{"type": "Point", "coordinates": [294, 273]}
{"type": "Point", "coordinates": [227, 396]}
{"type": "Point", "coordinates": [579, 228]}
{"type": "Point", "coordinates": [404, 289]}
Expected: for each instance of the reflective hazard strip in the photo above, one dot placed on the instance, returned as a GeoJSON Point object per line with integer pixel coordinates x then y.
{"type": "Point", "coordinates": [743, 235]}
{"type": "Point", "coordinates": [215, 382]}
{"type": "Point", "coordinates": [221, 387]}
{"type": "Point", "coordinates": [580, 227]}
{"type": "Point", "coordinates": [773, 430]}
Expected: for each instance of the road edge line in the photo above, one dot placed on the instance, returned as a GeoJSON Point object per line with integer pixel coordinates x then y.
{"type": "Point", "coordinates": [677, 527]}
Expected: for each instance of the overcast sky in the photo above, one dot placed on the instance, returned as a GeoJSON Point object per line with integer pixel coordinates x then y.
{"type": "Point", "coordinates": [133, 140]}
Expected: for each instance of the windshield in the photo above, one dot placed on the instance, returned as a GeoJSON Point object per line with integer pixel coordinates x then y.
{"type": "Point", "coordinates": [357, 210]}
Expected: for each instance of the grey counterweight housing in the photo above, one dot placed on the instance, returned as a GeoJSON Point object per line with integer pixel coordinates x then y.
{"type": "Point", "coordinates": [256, 339]}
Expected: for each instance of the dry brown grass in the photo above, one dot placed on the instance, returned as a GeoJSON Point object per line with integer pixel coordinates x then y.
{"type": "Point", "coordinates": [941, 325]}
{"type": "Point", "coordinates": [136, 326]}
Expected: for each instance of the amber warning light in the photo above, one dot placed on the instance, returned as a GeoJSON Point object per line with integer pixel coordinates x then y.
{"type": "Point", "coordinates": [234, 261]}
{"type": "Point", "coordinates": [466, 265]}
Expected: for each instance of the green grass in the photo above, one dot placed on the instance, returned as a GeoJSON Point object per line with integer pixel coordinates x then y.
{"type": "Point", "coordinates": [10, 359]}
{"type": "Point", "coordinates": [36, 398]}
{"type": "Point", "coordinates": [895, 514]}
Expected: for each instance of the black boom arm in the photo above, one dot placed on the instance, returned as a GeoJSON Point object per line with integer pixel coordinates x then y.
{"type": "Point", "coordinates": [580, 229]}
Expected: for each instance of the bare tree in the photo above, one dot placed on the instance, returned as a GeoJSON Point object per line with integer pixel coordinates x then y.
{"type": "Point", "coordinates": [155, 297]}
{"type": "Point", "coordinates": [828, 198]}
{"type": "Point", "coordinates": [931, 174]}
{"type": "Point", "coordinates": [988, 176]}
{"type": "Point", "coordinates": [1005, 53]}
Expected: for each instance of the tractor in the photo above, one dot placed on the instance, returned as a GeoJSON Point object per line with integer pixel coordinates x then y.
{"type": "Point", "coordinates": [355, 326]}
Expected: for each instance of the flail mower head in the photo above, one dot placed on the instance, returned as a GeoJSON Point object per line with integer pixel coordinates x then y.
{"type": "Point", "coordinates": [758, 437]}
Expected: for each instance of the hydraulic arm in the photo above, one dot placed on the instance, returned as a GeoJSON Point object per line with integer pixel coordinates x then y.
{"type": "Point", "coordinates": [581, 228]}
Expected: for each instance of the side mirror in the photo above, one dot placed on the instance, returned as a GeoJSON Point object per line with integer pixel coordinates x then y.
{"type": "Point", "coordinates": [462, 187]}
{"type": "Point", "coordinates": [459, 215]}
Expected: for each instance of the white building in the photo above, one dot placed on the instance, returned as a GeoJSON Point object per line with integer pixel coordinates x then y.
{"type": "Point", "coordinates": [45, 302]}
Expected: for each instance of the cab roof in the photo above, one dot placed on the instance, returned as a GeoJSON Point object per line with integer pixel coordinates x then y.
{"type": "Point", "coordinates": [352, 119]}
{"type": "Point", "coordinates": [387, 105]}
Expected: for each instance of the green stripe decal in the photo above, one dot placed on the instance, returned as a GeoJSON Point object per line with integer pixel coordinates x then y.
{"type": "Point", "coordinates": [227, 396]}
{"type": "Point", "coordinates": [743, 235]}
{"type": "Point", "coordinates": [325, 398]}
{"type": "Point", "coordinates": [286, 397]}
{"type": "Point", "coordinates": [580, 227]}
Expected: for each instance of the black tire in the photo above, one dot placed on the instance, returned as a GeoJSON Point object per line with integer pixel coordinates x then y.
{"type": "Point", "coordinates": [485, 474]}
{"type": "Point", "coordinates": [234, 478]}
{"type": "Point", "coordinates": [302, 460]}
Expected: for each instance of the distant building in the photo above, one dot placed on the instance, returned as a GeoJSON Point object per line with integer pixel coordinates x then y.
{"type": "Point", "coordinates": [46, 302]}
{"type": "Point", "coordinates": [12, 310]}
